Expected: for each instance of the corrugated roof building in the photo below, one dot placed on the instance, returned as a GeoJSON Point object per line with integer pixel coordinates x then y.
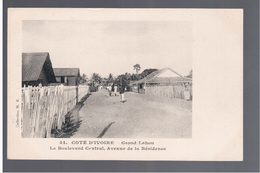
{"type": "Point", "coordinates": [67, 76]}
{"type": "Point", "coordinates": [37, 69]}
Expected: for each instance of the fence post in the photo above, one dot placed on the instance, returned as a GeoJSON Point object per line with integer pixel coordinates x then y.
{"type": "Point", "coordinates": [77, 94]}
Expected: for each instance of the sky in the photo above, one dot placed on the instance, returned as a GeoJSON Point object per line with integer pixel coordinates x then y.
{"type": "Point", "coordinates": [105, 47]}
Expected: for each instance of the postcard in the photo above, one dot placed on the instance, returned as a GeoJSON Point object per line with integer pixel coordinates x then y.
{"type": "Point", "coordinates": [125, 84]}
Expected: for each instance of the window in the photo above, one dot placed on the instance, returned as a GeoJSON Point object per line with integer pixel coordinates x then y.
{"type": "Point", "coordinates": [62, 80]}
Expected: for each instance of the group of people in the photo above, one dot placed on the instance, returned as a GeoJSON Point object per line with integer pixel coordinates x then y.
{"type": "Point", "coordinates": [112, 89]}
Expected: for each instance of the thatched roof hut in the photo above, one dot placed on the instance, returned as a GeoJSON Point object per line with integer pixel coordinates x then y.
{"type": "Point", "coordinates": [37, 69]}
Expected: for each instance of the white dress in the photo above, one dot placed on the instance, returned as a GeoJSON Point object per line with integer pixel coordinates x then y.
{"type": "Point", "coordinates": [115, 89]}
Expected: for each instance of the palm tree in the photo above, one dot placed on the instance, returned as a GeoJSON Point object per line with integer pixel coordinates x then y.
{"type": "Point", "coordinates": [128, 77]}
{"type": "Point", "coordinates": [137, 68]}
{"type": "Point", "coordinates": [83, 79]}
{"type": "Point", "coordinates": [96, 78]}
{"type": "Point", "coordinates": [110, 77]}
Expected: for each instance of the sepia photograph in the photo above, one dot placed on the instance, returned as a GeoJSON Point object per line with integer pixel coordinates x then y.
{"type": "Point", "coordinates": [112, 79]}
{"type": "Point", "coordinates": [125, 84]}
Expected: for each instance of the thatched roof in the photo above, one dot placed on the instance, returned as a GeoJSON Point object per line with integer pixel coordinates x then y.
{"type": "Point", "coordinates": [66, 71]}
{"type": "Point", "coordinates": [153, 78]}
{"type": "Point", "coordinates": [34, 63]}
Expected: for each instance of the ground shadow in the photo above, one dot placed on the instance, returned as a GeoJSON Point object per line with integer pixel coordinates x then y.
{"type": "Point", "coordinates": [72, 122]}
{"type": "Point", "coordinates": [105, 130]}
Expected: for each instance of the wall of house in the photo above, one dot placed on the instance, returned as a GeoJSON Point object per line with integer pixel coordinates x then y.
{"type": "Point", "coordinates": [138, 88]}
{"type": "Point", "coordinates": [141, 88]}
{"type": "Point", "coordinates": [71, 81]}
{"type": "Point", "coordinates": [134, 88]}
{"type": "Point", "coordinates": [180, 91]}
{"type": "Point", "coordinates": [67, 80]}
{"type": "Point", "coordinates": [30, 83]}
{"type": "Point", "coordinates": [58, 79]}
{"type": "Point", "coordinates": [42, 81]}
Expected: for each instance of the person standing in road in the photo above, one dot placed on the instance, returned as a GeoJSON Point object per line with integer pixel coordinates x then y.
{"type": "Point", "coordinates": [109, 89]}
{"type": "Point", "coordinates": [113, 87]}
{"type": "Point", "coordinates": [122, 91]}
{"type": "Point", "coordinates": [115, 90]}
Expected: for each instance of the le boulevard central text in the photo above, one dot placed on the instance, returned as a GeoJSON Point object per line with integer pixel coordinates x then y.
{"type": "Point", "coordinates": [109, 145]}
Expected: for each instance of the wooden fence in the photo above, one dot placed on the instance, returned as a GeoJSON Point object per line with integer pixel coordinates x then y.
{"type": "Point", "coordinates": [82, 91]}
{"type": "Point", "coordinates": [180, 91]}
{"type": "Point", "coordinates": [44, 108]}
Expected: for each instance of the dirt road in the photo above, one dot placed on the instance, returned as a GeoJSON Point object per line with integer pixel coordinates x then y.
{"type": "Point", "coordinates": [141, 116]}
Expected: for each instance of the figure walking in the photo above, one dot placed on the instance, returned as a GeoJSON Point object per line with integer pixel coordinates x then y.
{"type": "Point", "coordinates": [115, 90]}
{"type": "Point", "coordinates": [109, 89]}
{"type": "Point", "coordinates": [122, 91]}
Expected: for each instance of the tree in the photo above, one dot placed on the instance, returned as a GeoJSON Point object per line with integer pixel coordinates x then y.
{"type": "Point", "coordinates": [128, 76]}
{"type": "Point", "coordinates": [104, 81]}
{"type": "Point", "coordinates": [83, 79]}
{"type": "Point", "coordinates": [96, 79]}
{"type": "Point", "coordinates": [122, 80]}
{"type": "Point", "coordinates": [110, 77]}
{"type": "Point", "coordinates": [137, 68]}
{"type": "Point", "coordinates": [134, 77]}
{"type": "Point", "coordinates": [146, 72]}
